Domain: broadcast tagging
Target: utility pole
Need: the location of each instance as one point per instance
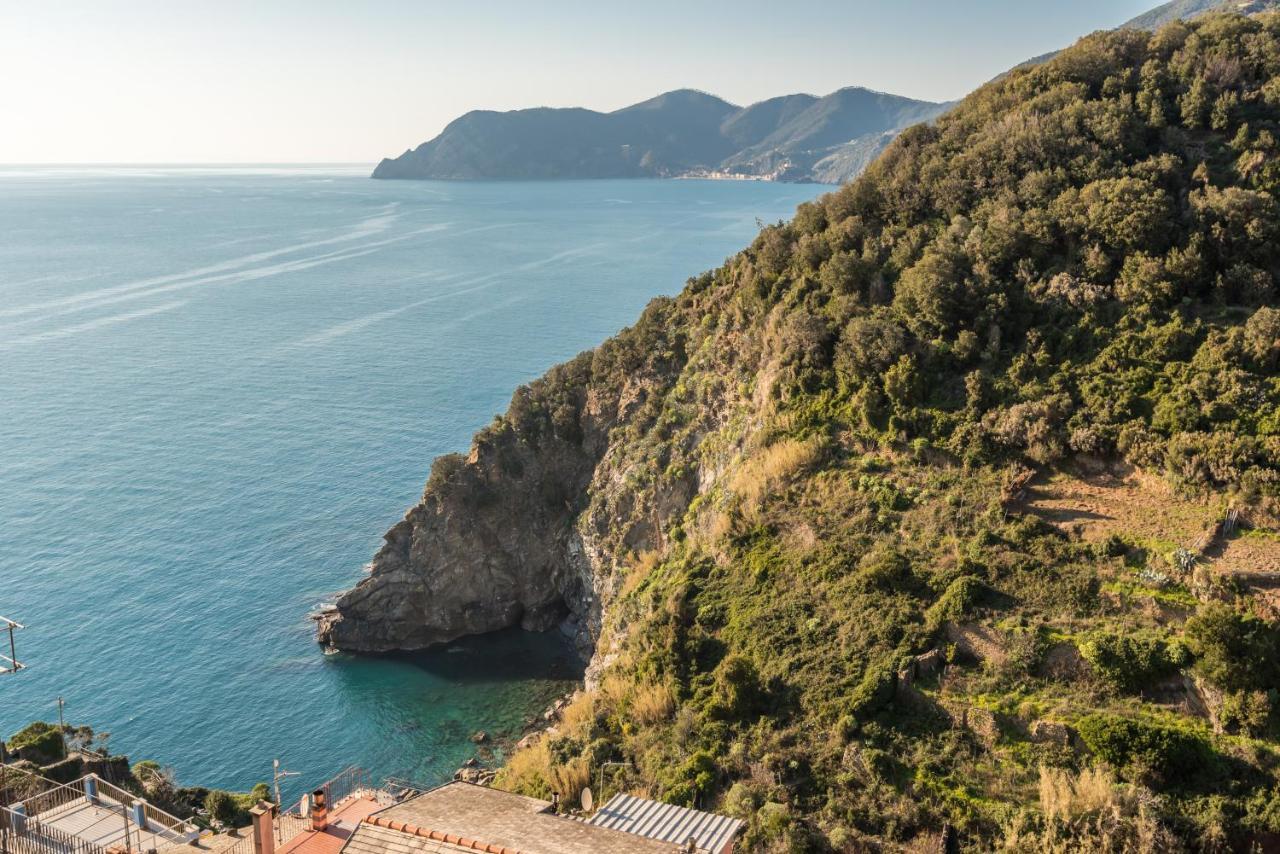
(604, 765)
(62, 727)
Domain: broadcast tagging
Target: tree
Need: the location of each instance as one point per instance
(1196, 104)
(1128, 212)
(1224, 110)
(1235, 651)
(1262, 337)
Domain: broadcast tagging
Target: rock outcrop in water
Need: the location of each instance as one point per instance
(529, 528)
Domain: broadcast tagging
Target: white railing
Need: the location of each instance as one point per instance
(185, 830)
(20, 834)
(44, 801)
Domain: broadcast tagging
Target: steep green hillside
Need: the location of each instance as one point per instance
(1078, 260)
(866, 528)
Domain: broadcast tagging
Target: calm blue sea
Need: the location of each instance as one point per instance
(218, 387)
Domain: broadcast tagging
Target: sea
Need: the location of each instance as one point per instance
(219, 386)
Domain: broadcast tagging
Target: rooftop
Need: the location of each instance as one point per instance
(343, 821)
(667, 822)
(466, 817)
(89, 814)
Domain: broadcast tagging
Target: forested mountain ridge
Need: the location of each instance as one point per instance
(1185, 9)
(951, 506)
(685, 132)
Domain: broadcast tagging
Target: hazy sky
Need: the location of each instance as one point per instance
(181, 81)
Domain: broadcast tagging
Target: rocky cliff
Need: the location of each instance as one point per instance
(530, 527)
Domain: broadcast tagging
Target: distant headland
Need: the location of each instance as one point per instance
(685, 133)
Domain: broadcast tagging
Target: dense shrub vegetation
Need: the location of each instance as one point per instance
(852, 637)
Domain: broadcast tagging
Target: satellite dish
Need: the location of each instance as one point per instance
(588, 802)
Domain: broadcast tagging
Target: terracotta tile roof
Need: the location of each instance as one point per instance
(313, 842)
(343, 821)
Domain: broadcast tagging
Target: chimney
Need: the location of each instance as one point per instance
(264, 837)
(319, 810)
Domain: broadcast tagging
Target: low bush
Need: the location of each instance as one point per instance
(1130, 661)
(41, 742)
(222, 807)
(1178, 757)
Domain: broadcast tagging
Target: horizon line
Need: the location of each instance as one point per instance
(185, 163)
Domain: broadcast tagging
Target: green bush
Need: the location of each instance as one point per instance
(42, 740)
(691, 780)
(1131, 661)
(873, 692)
(742, 800)
(222, 807)
(1176, 756)
(738, 687)
(1235, 651)
(1262, 811)
(1247, 711)
(956, 601)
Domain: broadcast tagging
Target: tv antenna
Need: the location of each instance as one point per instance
(276, 776)
(9, 663)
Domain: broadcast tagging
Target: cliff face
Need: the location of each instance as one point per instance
(493, 543)
(530, 527)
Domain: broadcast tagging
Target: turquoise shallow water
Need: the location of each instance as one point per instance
(219, 387)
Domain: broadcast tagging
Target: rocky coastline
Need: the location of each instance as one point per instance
(482, 768)
(536, 526)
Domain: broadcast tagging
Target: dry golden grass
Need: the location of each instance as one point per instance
(770, 469)
(613, 692)
(652, 704)
(1088, 812)
(579, 714)
(531, 772)
(1065, 797)
(527, 772)
(640, 567)
(569, 779)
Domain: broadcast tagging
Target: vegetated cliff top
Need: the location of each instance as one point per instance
(827, 588)
(677, 133)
